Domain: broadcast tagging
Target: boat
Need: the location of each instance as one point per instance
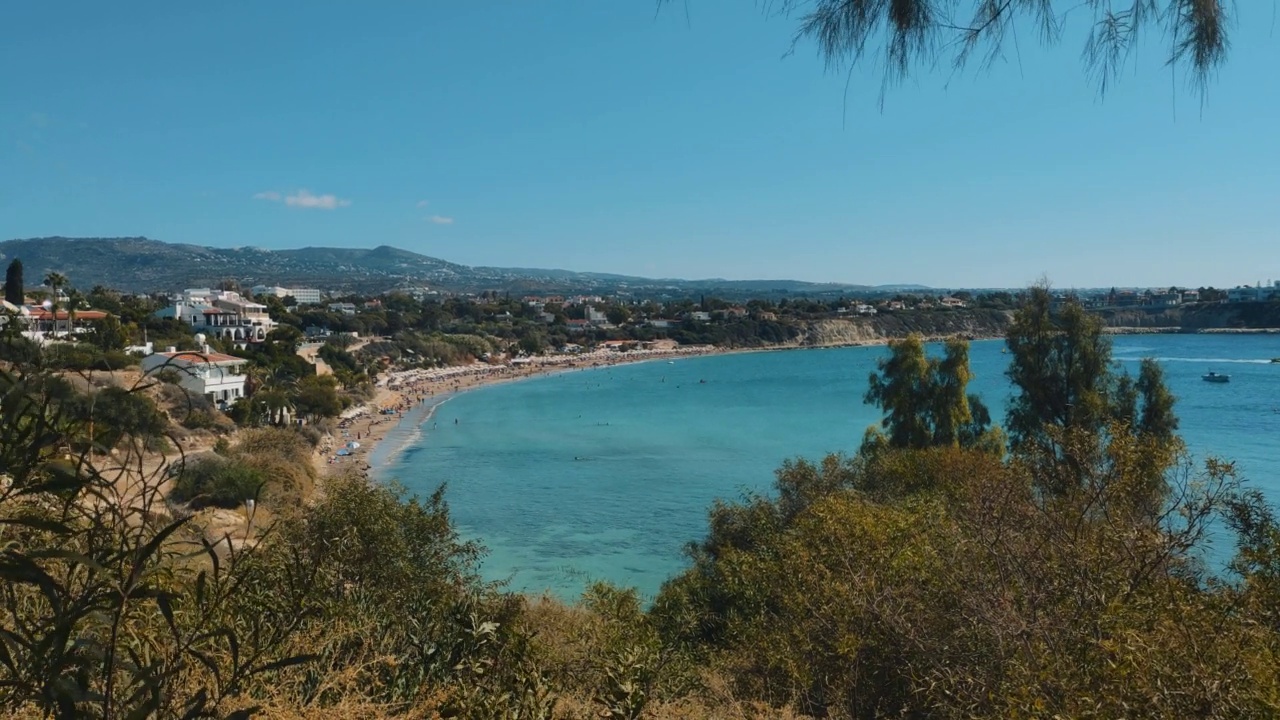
(1276, 360)
(1214, 377)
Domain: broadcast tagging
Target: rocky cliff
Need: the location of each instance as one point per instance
(970, 324)
(1191, 318)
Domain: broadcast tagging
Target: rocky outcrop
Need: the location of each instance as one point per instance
(1198, 317)
(972, 324)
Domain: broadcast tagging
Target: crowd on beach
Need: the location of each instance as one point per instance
(400, 391)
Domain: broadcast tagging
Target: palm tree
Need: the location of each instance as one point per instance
(276, 404)
(56, 281)
(75, 301)
(272, 391)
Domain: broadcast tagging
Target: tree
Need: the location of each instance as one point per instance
(904, 35)
(1071, 408)
(109, 334)
(617, 314)
(75, 301)
(13, 290)
(317, 396)
(1157, 421)
(1059, 369)
(56, 281)
(925, 399)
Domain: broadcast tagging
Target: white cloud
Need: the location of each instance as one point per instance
(423, 203)
(441, 220)
(304, 199)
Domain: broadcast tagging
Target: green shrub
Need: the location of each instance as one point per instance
(223, 483)
(199, 420)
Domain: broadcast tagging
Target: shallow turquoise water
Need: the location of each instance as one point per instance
(608, 473)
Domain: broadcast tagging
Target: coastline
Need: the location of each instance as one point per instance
(1178, 330)
(414, 395)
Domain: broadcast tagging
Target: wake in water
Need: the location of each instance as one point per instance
(1241, 361)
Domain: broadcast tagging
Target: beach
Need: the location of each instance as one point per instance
(399, 393)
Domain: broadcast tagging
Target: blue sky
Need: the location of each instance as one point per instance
(603, 135)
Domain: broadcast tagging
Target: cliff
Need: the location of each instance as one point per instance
(972, 324)
(1193, 318)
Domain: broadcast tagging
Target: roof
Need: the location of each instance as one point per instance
(40, 313)
(216, 311)
(191, 357)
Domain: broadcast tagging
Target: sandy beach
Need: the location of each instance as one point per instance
(361, 428)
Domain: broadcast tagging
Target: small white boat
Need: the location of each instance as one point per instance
(1214, 377)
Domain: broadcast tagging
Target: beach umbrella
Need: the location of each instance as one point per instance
(344, 452)
(353, 445)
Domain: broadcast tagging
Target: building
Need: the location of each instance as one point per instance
(304, 296)
(1256, 293)
(41, 323)
(217, 377)
(1166, 299)
(1190, 296)
(595, 317)
(951, 302)
(221, 313)
(343, 307)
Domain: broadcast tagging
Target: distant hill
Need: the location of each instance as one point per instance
(144, 265)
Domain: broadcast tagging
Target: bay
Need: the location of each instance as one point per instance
(607, 473)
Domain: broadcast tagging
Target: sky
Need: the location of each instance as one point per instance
(612, 136)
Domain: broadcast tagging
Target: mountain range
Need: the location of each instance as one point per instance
(140, 264)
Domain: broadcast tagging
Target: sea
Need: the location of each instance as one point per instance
(608, 473)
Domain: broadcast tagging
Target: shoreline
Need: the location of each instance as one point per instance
(416, 394)
(1179, 330)
(402, 394)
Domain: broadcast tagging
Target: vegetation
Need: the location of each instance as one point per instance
(914, 34)
(14, 293)
(933, 574)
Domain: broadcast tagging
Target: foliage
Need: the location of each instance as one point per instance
(925, 399)
(13, 288)
(913, 34)
(938, 582)
(105, 610)
(108, 334)
(317, 397)
(1067, 393)
(217, 482)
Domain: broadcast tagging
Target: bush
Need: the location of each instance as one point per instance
(223, 483)
(199, 420)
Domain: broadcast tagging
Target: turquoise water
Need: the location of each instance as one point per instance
(607, 473)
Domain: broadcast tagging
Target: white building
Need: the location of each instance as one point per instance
(214, 375)
(594, 316)
(304, 296)
(222, 314)
(342, 307)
